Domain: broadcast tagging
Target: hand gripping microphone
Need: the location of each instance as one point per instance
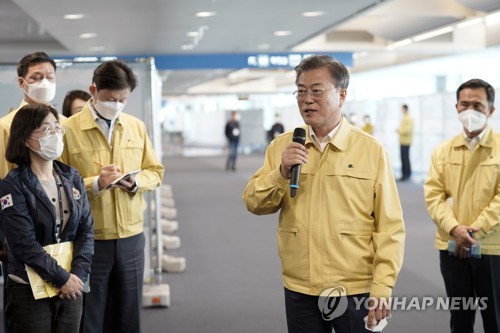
(299, 136)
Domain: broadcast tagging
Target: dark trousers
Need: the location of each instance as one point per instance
(405, 162)
(233, 152)
(473, 278)
(115, 298)
(47, 315)
(304, 316)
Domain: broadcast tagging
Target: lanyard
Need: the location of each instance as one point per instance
(61, 215)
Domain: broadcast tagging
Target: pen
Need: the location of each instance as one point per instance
(99, 164)
(470, 245)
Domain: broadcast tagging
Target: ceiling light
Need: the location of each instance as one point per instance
(206, 14)
(73, 16)
(312, 14)
(468, 23)
(492, 18)
(432, 34)
(193, 34)
(96, 48)
(281, 33)
(88, 35)
(400, 43)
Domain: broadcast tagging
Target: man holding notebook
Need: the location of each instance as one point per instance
(103, 143)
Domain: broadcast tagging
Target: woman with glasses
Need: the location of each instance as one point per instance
(43, 202)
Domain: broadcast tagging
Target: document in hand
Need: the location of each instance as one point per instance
(63, 254)
(474, 251)
(123, 177)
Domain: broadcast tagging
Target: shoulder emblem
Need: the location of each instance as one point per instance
(6, 201)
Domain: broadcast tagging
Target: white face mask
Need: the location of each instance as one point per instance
(109, 110)
(472, 120)
(42, 92)
(51, 146)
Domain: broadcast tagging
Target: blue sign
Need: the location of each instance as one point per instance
(237, 61)
(222, 61)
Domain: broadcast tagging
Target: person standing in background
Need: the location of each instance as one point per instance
(276, 129)
(74, 102)
(37, 78)
(405, 139)
(368, 126)
(232, 132)
(462, 194)
(104, 143)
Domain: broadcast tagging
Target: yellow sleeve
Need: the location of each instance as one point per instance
(406, 127)
(151, 175)
(5, 166)
(488, 219)
(439, 209)
(389, 234)
(266, 188)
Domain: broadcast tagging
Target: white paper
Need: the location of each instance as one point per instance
(378, 327)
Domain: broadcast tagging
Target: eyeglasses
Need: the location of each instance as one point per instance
(302, 93)
(49, 131)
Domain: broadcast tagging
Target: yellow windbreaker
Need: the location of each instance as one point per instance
(345, 226)
(5, 122)
(463, 187)
(406, 130)
(117, 213)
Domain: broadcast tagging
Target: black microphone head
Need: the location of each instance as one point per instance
(299, 135)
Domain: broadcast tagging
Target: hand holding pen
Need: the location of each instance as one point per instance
(108, 174)
(464, 240)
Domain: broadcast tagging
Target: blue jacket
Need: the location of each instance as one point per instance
(28, 221)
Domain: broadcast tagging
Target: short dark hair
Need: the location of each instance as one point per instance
(338, 72)
(476, 84)
(31, 59)
(26, 120)
(70, 97)
(114, 75)
(405, 107)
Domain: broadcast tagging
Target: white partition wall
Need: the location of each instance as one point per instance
(435, 120)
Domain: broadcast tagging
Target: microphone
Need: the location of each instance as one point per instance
(299, 136)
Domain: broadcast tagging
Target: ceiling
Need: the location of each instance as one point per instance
(379, 32)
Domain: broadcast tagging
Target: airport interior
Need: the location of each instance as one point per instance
(211, 265)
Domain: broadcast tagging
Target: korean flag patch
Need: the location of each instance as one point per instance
(6, 201)
(76, 194)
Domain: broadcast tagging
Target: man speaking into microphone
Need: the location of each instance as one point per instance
(340, 223)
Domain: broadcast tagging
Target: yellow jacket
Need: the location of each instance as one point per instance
(345, 226)
(406, 130)
(463, 187)
(117, 213)
(368, 128)
(5, 123)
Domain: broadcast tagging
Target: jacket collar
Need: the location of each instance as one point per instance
(341, 138)
(87, 120)
(486, 140)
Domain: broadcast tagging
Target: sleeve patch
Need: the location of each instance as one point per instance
(6, 201)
